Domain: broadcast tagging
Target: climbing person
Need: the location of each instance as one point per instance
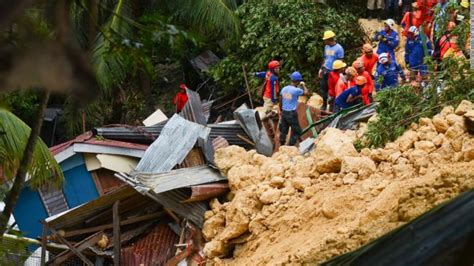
(448, 44)
(387, 72)
(415, 52)
(181, 98)
(332, 52)
(413, 18)
(337, 69)
(369, 58)
(388, 38)
(346, 81)
(391, 9)
(351, 96)
(270, 87)
(375, 9)
(367, 96)
(289, 102)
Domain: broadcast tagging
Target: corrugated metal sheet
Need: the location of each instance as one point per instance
(148, 134)
(249, 120)
(177, 138)
(193, 110)
(153, 248)
(180, 178)
(53, 200)
(194, 158)
(219, 143)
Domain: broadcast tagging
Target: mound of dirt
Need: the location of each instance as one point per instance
(303, 209)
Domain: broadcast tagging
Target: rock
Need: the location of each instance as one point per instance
(427, 132)
(309, 192)
(244, 175)
(406, 141)
(440, 124)
(468, 149)
(463, 107)
(426, 146)
(300, 183)
(453, 119)
(277, 181)
(315, 101)
(454, 132)
(378, 155)
(331, 146)
(329, 212)
(361, 166)
(470, 114)
(213, 226)
(208, 215)
(439, 140)
(215, 248)
(365, 152)
(215, 205)
(349, 179)
(231, 156)
(425, 121)
(270, 196)
(394, 156)
(446, 111)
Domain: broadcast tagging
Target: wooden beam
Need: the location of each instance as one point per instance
(72, 248)
(130, 234)
(116, 224)
(44, 239)
(81, 246)
(110, 226)
(181, 256)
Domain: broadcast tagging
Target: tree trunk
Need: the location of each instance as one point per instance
(14, 193)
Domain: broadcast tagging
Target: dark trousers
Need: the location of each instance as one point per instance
(391, 9)
(289, 119)
(324, 88)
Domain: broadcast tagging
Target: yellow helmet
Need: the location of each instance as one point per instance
(329, 34)
(338, 64)
(465, 3)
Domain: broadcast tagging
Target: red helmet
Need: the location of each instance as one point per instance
(183, 86)
(273, 64)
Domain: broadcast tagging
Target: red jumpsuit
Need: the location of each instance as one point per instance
(180, 100)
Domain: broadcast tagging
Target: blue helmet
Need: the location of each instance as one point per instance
(296, 76)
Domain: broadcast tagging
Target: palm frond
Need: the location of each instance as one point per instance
(43, 169)
(209, 16)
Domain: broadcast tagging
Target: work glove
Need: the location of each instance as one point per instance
(384, 39)
(302, 83)
(380, 37)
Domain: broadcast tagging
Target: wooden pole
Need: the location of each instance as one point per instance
(44, 239)
(247, 85)
(72, 248)
(117, 244)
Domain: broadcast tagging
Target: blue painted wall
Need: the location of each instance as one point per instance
(28, 212)
(79, 187)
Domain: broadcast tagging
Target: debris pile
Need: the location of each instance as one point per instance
(294, 208)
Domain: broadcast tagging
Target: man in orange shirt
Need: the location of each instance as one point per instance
(337, 69)
(346, 81)
(368, 90)
(369, 58)
(413, 18)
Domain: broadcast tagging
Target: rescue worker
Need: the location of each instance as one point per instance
(387, 72)
(369, 58)
(448, 44)
(415, 53)
(351, 96)
(338, 68)
(346, 81)
(413, 18)
(181, 98)
(369, 87)
(375, 8)
(388, 38)
(270, 87)
(288, 105)
(332, 52)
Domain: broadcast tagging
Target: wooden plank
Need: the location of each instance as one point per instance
(81, 246)
(72, 248)
(130, 234)
(44, 239)
(181, 256)
(110, 226)
(116, 223)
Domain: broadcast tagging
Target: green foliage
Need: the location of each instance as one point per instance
(22, 103)
(288, 29)
(14, 135)
(401, 106)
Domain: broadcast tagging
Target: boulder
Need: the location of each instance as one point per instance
(464, 107)
(406, 140)
(270, 196)
(231, 156)
(440, 124)
(425, 145)
(213, 226)
(468, 149)
(300, 183)
(332, 145)
(349, 179)
(361, 166)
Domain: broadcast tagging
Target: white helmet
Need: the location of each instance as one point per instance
(391, 23)
(414, 30)
(384, 58)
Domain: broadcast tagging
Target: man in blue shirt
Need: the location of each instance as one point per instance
(387, 72)
(388, 38)
(332, 52)
(288, 103)
(351, 96)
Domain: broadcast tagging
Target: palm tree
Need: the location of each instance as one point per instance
(23, 154)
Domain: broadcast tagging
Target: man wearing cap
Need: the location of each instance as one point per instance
(332, 52)
(369, 58)
(289, 102)
(368, 93)
(270, 87)
(388, 38)
(415, 53)
(181, 98)
(337, 69)
(351, 96)
(387, 72)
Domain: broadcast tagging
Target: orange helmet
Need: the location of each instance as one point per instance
(273, 64)
(361, 80)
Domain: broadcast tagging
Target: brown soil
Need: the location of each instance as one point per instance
(307, 209)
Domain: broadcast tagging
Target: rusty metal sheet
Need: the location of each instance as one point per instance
(193, 110)
(153, 248)
(219, 143)
(207, 191)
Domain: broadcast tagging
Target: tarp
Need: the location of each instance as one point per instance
(443, 236)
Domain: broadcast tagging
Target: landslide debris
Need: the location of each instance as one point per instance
(306, 209)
